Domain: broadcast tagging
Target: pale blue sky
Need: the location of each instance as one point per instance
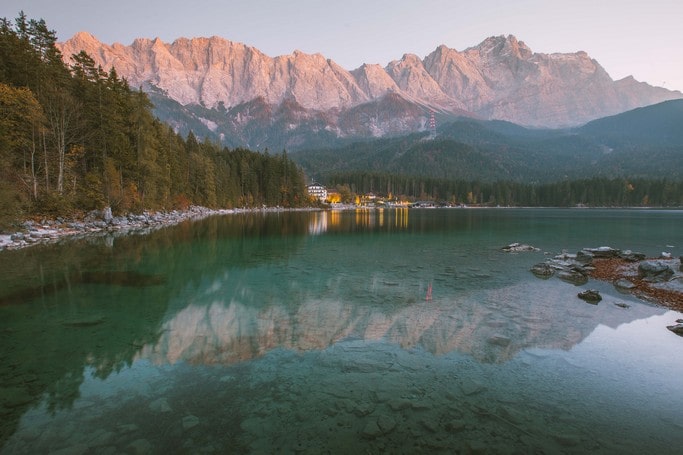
(639, 38)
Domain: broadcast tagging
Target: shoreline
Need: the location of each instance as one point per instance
(101, 222)
(625, 277)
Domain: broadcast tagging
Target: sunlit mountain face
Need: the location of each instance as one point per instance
(234, 93)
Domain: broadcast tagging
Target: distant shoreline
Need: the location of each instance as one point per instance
(96, 223)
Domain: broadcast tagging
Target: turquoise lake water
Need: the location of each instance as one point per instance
(369, 331)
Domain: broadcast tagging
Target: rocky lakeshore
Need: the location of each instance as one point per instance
(102, 222)
(657, 280)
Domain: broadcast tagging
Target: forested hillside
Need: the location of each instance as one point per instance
(595, 192)
(76, 138)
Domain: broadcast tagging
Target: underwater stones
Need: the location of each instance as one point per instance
(13, 397)
(573, 275)
(624, 284)
(372, 430)
(398, 404)
(190, 421)
(499, 340)
(75, 449)
(591, 296)
(518, 247)
(127, 428)
(160, 405)
(456, 426)
(677, 329)
(140, 446)
(101, 438)
(471, 387)
(477, 447)
(567, 440)
(386, 423)
(429, 425)
(363, 409)
(376, 362)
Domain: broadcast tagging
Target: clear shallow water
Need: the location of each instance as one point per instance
(311, 333)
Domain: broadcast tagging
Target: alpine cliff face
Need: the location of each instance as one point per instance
(245, 97)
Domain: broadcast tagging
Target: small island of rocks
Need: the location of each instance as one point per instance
(657, 280)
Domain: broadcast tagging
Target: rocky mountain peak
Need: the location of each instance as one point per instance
(500, 78)
(503, 46)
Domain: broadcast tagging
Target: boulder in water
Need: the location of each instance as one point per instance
(655, 271)
(677, 329)
(517, 247)
(591, 296)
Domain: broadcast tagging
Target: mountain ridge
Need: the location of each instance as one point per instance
(642, 143)
(500, 78)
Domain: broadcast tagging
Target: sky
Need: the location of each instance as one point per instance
(638, 38)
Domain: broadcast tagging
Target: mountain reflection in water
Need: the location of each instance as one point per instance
(491, 325)
(311, 332)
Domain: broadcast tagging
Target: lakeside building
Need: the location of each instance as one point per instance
(318, 191)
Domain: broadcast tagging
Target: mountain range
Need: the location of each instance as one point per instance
(642, 143)
(234, 93)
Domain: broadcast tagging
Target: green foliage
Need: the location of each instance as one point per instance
(596, 192)
(643, 143)
(78, 138)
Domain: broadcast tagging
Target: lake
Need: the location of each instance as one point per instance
(368, 331)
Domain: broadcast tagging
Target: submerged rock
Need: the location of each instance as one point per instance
(190, 421)
(371, 430)
(624, 284)
(386, 423)
(160, 405)
(573, 276)
(591, 296)
(140, 446)
(677, 329)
